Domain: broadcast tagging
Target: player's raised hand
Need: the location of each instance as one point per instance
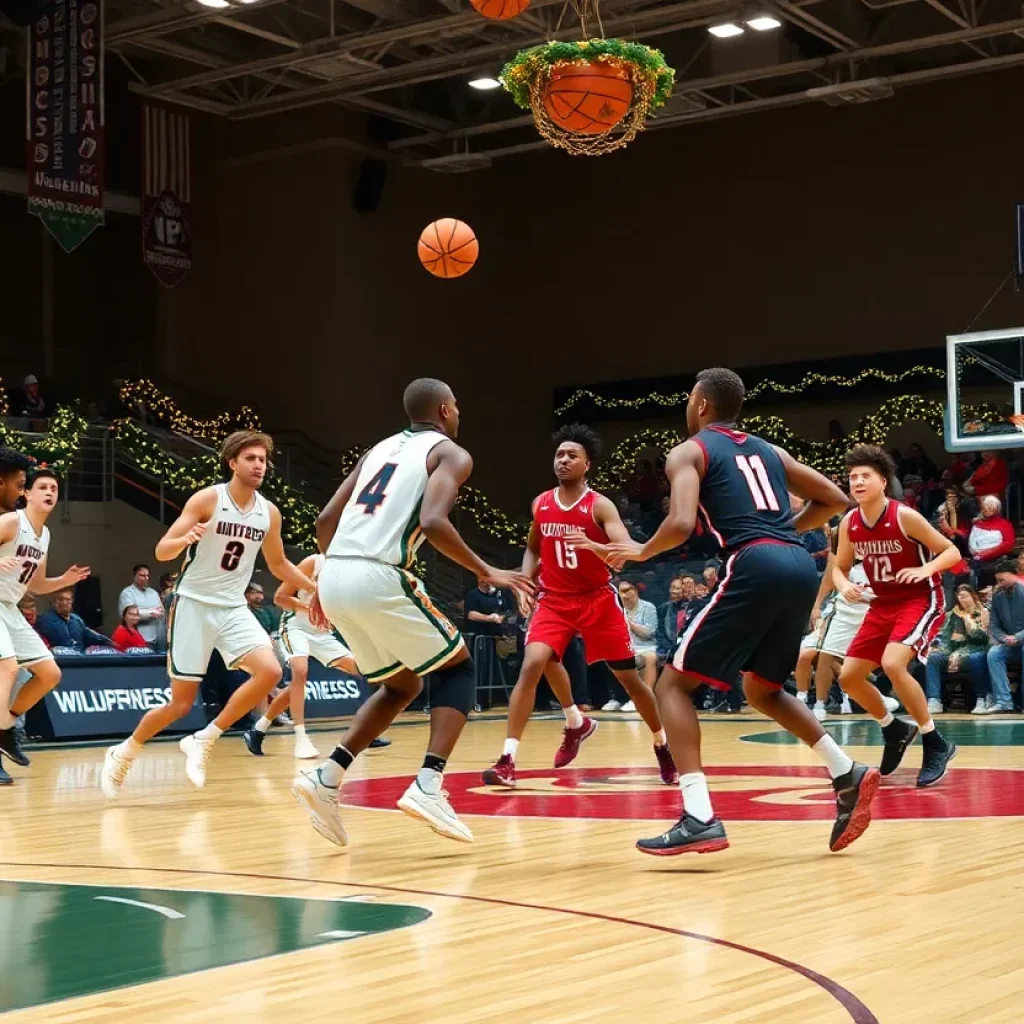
(195, 534)
(624, 551)
(76, 574)
(917, 574)
(317, 618)
(510, 579)
(578, 539)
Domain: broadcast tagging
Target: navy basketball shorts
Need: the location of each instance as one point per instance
(755, 620)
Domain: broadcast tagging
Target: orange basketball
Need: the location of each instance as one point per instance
(500, 10)
(448, 247)
(589, 97)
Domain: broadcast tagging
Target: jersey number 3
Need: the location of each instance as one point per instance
(233, 552)
(757, 480)
(371, 497)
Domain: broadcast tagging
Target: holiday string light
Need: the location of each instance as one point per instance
(145, 395)
(57, 448)
(681, 397)
(4, 407)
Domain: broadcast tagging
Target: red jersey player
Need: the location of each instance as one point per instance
(895, 543)
(575, 595)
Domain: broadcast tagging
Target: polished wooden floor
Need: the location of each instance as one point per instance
(551, 916)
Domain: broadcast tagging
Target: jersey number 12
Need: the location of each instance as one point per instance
(757, 480)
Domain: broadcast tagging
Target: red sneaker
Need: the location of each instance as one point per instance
(571, 740)
(502, 774)
(669, 775)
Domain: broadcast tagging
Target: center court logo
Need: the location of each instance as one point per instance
(740, 793)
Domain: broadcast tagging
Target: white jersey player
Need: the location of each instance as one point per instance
(300, 641)
(24, 544)
(221, 529)
(399, 495)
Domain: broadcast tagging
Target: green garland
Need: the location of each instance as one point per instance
(519, 72)
(57, 448)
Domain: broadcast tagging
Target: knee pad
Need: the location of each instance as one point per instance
(454, 687)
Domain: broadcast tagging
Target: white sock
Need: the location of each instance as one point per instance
(819, 703)
(928, 727)
(210, 733)
(888, 720)
(573, 718)
(300, 732)
(659, 738)
(511, 746)
(330, 774)
(836, 759)
(429, 781)
(696, 797)
(130, 749)
(263, 725)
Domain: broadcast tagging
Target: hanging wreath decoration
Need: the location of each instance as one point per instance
(591, 97)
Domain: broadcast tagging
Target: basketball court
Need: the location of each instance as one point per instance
(185, 905)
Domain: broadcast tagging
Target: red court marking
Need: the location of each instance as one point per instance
(858, 1012)
(636, 793)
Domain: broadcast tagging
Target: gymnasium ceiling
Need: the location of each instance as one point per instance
(409, 61)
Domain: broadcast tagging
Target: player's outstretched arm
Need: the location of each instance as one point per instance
(844, 563)
(285, 597)
(449, 467)
(327, 521)
(189, 527)
(946, 553)
(824, 499)
(8, 531)
(43, 584)
(277, 561)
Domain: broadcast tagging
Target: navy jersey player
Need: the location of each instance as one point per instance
(738, 486)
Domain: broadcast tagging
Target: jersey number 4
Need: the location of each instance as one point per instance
(757, 480)
(371, 497)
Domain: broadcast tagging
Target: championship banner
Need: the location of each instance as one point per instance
(65, 119)
(166, 194)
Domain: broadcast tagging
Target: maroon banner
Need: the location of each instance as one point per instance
(65, 119)
(166, 194)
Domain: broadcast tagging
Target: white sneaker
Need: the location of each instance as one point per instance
(892, 705)
(934, 706)
(845, 708)
(197, 753)
(112, 776)
(304, 748)
(628, 706)
(819, 711)
(435, 810)
(612, 705)
(981, 707)
(321, 804)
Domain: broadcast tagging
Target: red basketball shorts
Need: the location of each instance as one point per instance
(598, 617)
(914, 622)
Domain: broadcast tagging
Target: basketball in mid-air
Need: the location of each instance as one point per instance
(589, 97)
(500, 10)
(448, 247)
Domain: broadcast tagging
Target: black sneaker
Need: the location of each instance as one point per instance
(687, 835)
(5, 779)
(379, 742)
(9, 745)
(898, 736)
(937, 756)
(254, 741)
(854, 792)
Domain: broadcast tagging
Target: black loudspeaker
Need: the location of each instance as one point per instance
(89, 602)
(369, 186)
(22, 12)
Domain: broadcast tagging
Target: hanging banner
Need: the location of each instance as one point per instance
(65, 123)
(166, 194)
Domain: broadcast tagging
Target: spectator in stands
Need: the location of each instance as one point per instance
(917, 464)
(128, 635)
(951, 522)
(28, 401)
(486, 610)
(27, 607)
(1006, 629)
(963, 645)
(700, 596)
(167, 581)
(990, 540)
(711, 577)
(815, 541)
(991, 477)
(680, 593)
(149, 608)
(643, 625)
(264, 614)
(60, 627)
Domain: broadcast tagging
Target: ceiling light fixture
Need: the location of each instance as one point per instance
(215, 3)
(726, 30)
(484, 83)
(764, 23)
